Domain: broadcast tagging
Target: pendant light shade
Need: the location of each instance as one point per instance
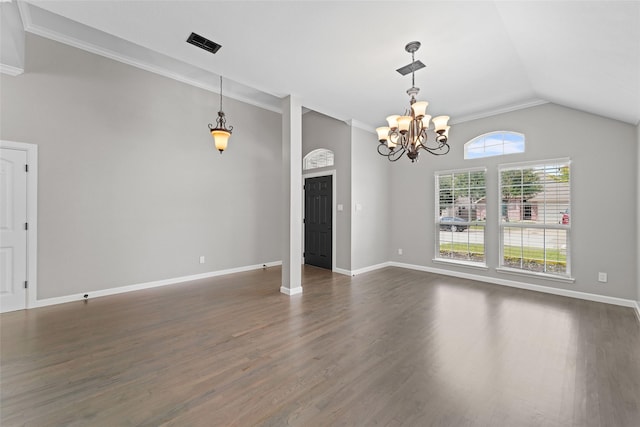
(220, 138)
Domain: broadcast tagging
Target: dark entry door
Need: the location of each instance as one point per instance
(317, 221)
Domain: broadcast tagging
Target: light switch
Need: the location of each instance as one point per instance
(340, 207)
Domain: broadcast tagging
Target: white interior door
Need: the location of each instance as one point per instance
(13, 233)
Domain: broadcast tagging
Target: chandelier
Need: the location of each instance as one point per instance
(410, 133)
(220, 133)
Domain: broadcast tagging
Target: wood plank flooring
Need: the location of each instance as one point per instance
(392, 347)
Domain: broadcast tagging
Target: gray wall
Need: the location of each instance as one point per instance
(638, 212)
(131, 189)
(604, 158)
(370, 191)
(320, 131)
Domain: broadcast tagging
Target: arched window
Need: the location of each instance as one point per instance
(494, 144)
(320, 158)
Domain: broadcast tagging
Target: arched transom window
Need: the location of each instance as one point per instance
(494, 144)
(320, 158)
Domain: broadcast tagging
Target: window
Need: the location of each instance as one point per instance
(460, 216)
(319, 158)
(494, 144)
(535, 223)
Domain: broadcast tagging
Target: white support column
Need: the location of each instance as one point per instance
(638, 220)
(292, 196)
(11, 39)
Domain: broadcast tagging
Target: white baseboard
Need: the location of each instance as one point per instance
(370, 268)
(148, 285)
(361, 270)
(342, 271)
(288, 291)
(637, 307)
(521, 285)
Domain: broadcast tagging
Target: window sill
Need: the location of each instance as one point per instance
(534, 274)
(468, 264)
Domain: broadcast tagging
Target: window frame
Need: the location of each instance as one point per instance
(316, 152)
(437, 223)
(497, 132)
(566, 276)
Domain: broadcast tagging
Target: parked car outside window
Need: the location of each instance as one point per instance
(450, 223)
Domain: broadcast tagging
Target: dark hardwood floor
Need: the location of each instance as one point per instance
(390, 347)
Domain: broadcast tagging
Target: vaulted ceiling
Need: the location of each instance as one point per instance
(340, 58)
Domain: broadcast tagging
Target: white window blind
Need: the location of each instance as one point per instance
(535, 217)
(461, 216)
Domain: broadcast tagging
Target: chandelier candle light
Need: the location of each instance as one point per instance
(220, 133)
(410, 133)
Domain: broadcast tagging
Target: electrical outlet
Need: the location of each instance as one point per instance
(399, 251)
(602, 277)
(202, 259)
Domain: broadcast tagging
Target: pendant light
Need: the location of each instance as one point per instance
(220, 132)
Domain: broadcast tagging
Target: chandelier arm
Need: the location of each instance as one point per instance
(425, 146)
(391, 155)
(438, 151)
(396, 154)
(422, 132)
(405, 140)
(382, 144)
(440, 141)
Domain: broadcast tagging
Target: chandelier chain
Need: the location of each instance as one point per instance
(413, 69)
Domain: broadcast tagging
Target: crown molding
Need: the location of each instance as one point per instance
(362, 126)
(10, 70)
(501, 110)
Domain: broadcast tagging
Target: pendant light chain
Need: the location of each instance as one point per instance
(221, 92)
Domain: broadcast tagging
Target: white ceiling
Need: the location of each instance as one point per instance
(340, 58)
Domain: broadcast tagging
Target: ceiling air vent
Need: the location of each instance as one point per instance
(414, 66)
(203, 43)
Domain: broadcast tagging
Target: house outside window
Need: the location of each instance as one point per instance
(460, 216)
(535, 217)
